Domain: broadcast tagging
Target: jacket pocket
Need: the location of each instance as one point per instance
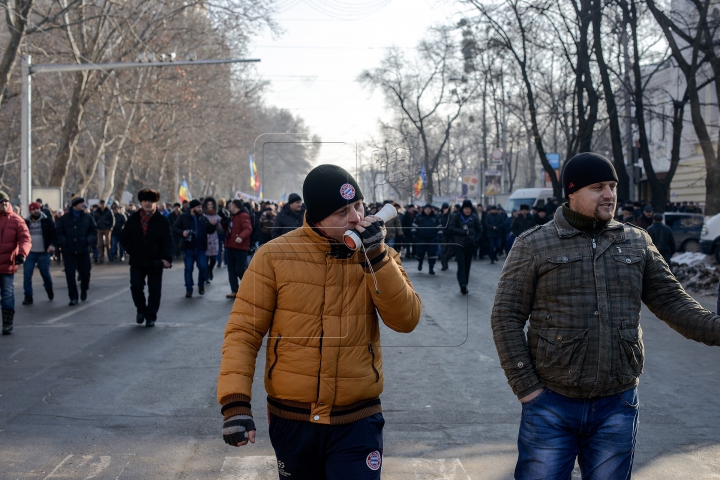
(275, 350)
(561, 354)
(629, 269)
(632, 352)
(563, 273)
(372, 355)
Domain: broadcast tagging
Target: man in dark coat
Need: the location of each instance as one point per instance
(77, 235)
(406, 222)
(466, 230)
(290, 217)
(646, 219)
(105, 221)
(494, 225)
(662, 236)
(146, 237)
(425, 228)
(172, 218)
(524, 221)
(120, 220)
(194, 227)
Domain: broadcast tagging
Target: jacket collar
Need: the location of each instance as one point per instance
(328, 245)
(565, 230)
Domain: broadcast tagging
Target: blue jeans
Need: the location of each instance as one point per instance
(43, 262)
(495, 245)
(192, 257)
(7, 292)
(114, 245)
(556, 429)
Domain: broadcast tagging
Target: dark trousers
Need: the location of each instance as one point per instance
(137, 289)
(309, 451)
(495, 246)
(81, 264)
(446, 249)
(236, 265)
(464, 260)
(430, 248)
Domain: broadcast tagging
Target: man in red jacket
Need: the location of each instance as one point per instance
(237, 242)
(14, 247)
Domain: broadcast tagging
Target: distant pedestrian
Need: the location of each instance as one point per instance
(44, 238)
(566, 325)
(662, 237)
(425, 229)
(15, 246)
(77, 235)
(522, 222)
(466, 230)
(290, 217)
(267, 219)
(495, 227)
(237, 243)
(646, 219)
(213, 239)
(193, 227)
(446, 246)
(146, 237)
(408, 238)
(172, 218)
(105, 220)
(541, 218)
(115, 244)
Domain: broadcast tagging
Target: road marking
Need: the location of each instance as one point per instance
(84, 307)
(394, 468)
(13, 354)
(85, 469)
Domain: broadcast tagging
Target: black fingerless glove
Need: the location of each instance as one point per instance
(236, 428)
(19, 260)
(373, 234)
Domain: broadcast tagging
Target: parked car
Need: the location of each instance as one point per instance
(686, 228)
(710, 238)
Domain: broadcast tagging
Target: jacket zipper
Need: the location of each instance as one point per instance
(277, 341)
(372, 352)
(594, 245)
(322, 334)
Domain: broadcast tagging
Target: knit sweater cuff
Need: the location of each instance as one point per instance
(376, 258)
(235, 404)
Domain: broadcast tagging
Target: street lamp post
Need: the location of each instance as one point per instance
(28, 69)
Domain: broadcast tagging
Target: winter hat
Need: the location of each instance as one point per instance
(445, 205)
(294, 197)
(524, 207)
(34, 206)
(328, 188)
(194, 203)
(4, 196)
(148, 194)
(648, 208)
(585, 169)
(77, 200)
(467, 203)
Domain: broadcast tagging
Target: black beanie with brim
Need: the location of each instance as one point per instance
(328, 188)
(586, 169)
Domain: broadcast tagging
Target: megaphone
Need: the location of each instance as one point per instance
(352, 237)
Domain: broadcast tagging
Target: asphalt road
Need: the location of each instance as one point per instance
(85, 393)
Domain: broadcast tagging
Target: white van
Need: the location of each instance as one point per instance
(534, 197)
(710, 237)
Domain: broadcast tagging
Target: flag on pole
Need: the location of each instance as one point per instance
(184, 192)
(420, 182)
(254, 178)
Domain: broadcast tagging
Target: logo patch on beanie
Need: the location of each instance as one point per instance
(374, 460)
(347, 191)
(571, 185)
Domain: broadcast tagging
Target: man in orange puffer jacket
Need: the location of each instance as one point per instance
(319, 303)
(14, 247)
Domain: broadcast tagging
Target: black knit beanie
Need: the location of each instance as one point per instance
(294, 197)
(328, 188)
(585, 169)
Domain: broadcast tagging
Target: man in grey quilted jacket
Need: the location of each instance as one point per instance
(580, 280)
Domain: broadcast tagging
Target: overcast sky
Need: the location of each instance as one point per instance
(314, 64)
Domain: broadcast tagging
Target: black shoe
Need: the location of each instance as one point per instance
(431, 272)
(420, 266)
(188, 294)
(231, 295)
(73, 302)
(83, 295)
(463, 289)
(201, 290)
(50, 293)
(210, 276)
(7, 321)
(28, 300)
(149, 323)
(207, 282)
(139, 319)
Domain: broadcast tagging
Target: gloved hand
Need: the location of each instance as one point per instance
(374, 234)
(236, 429)
(19, 260)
